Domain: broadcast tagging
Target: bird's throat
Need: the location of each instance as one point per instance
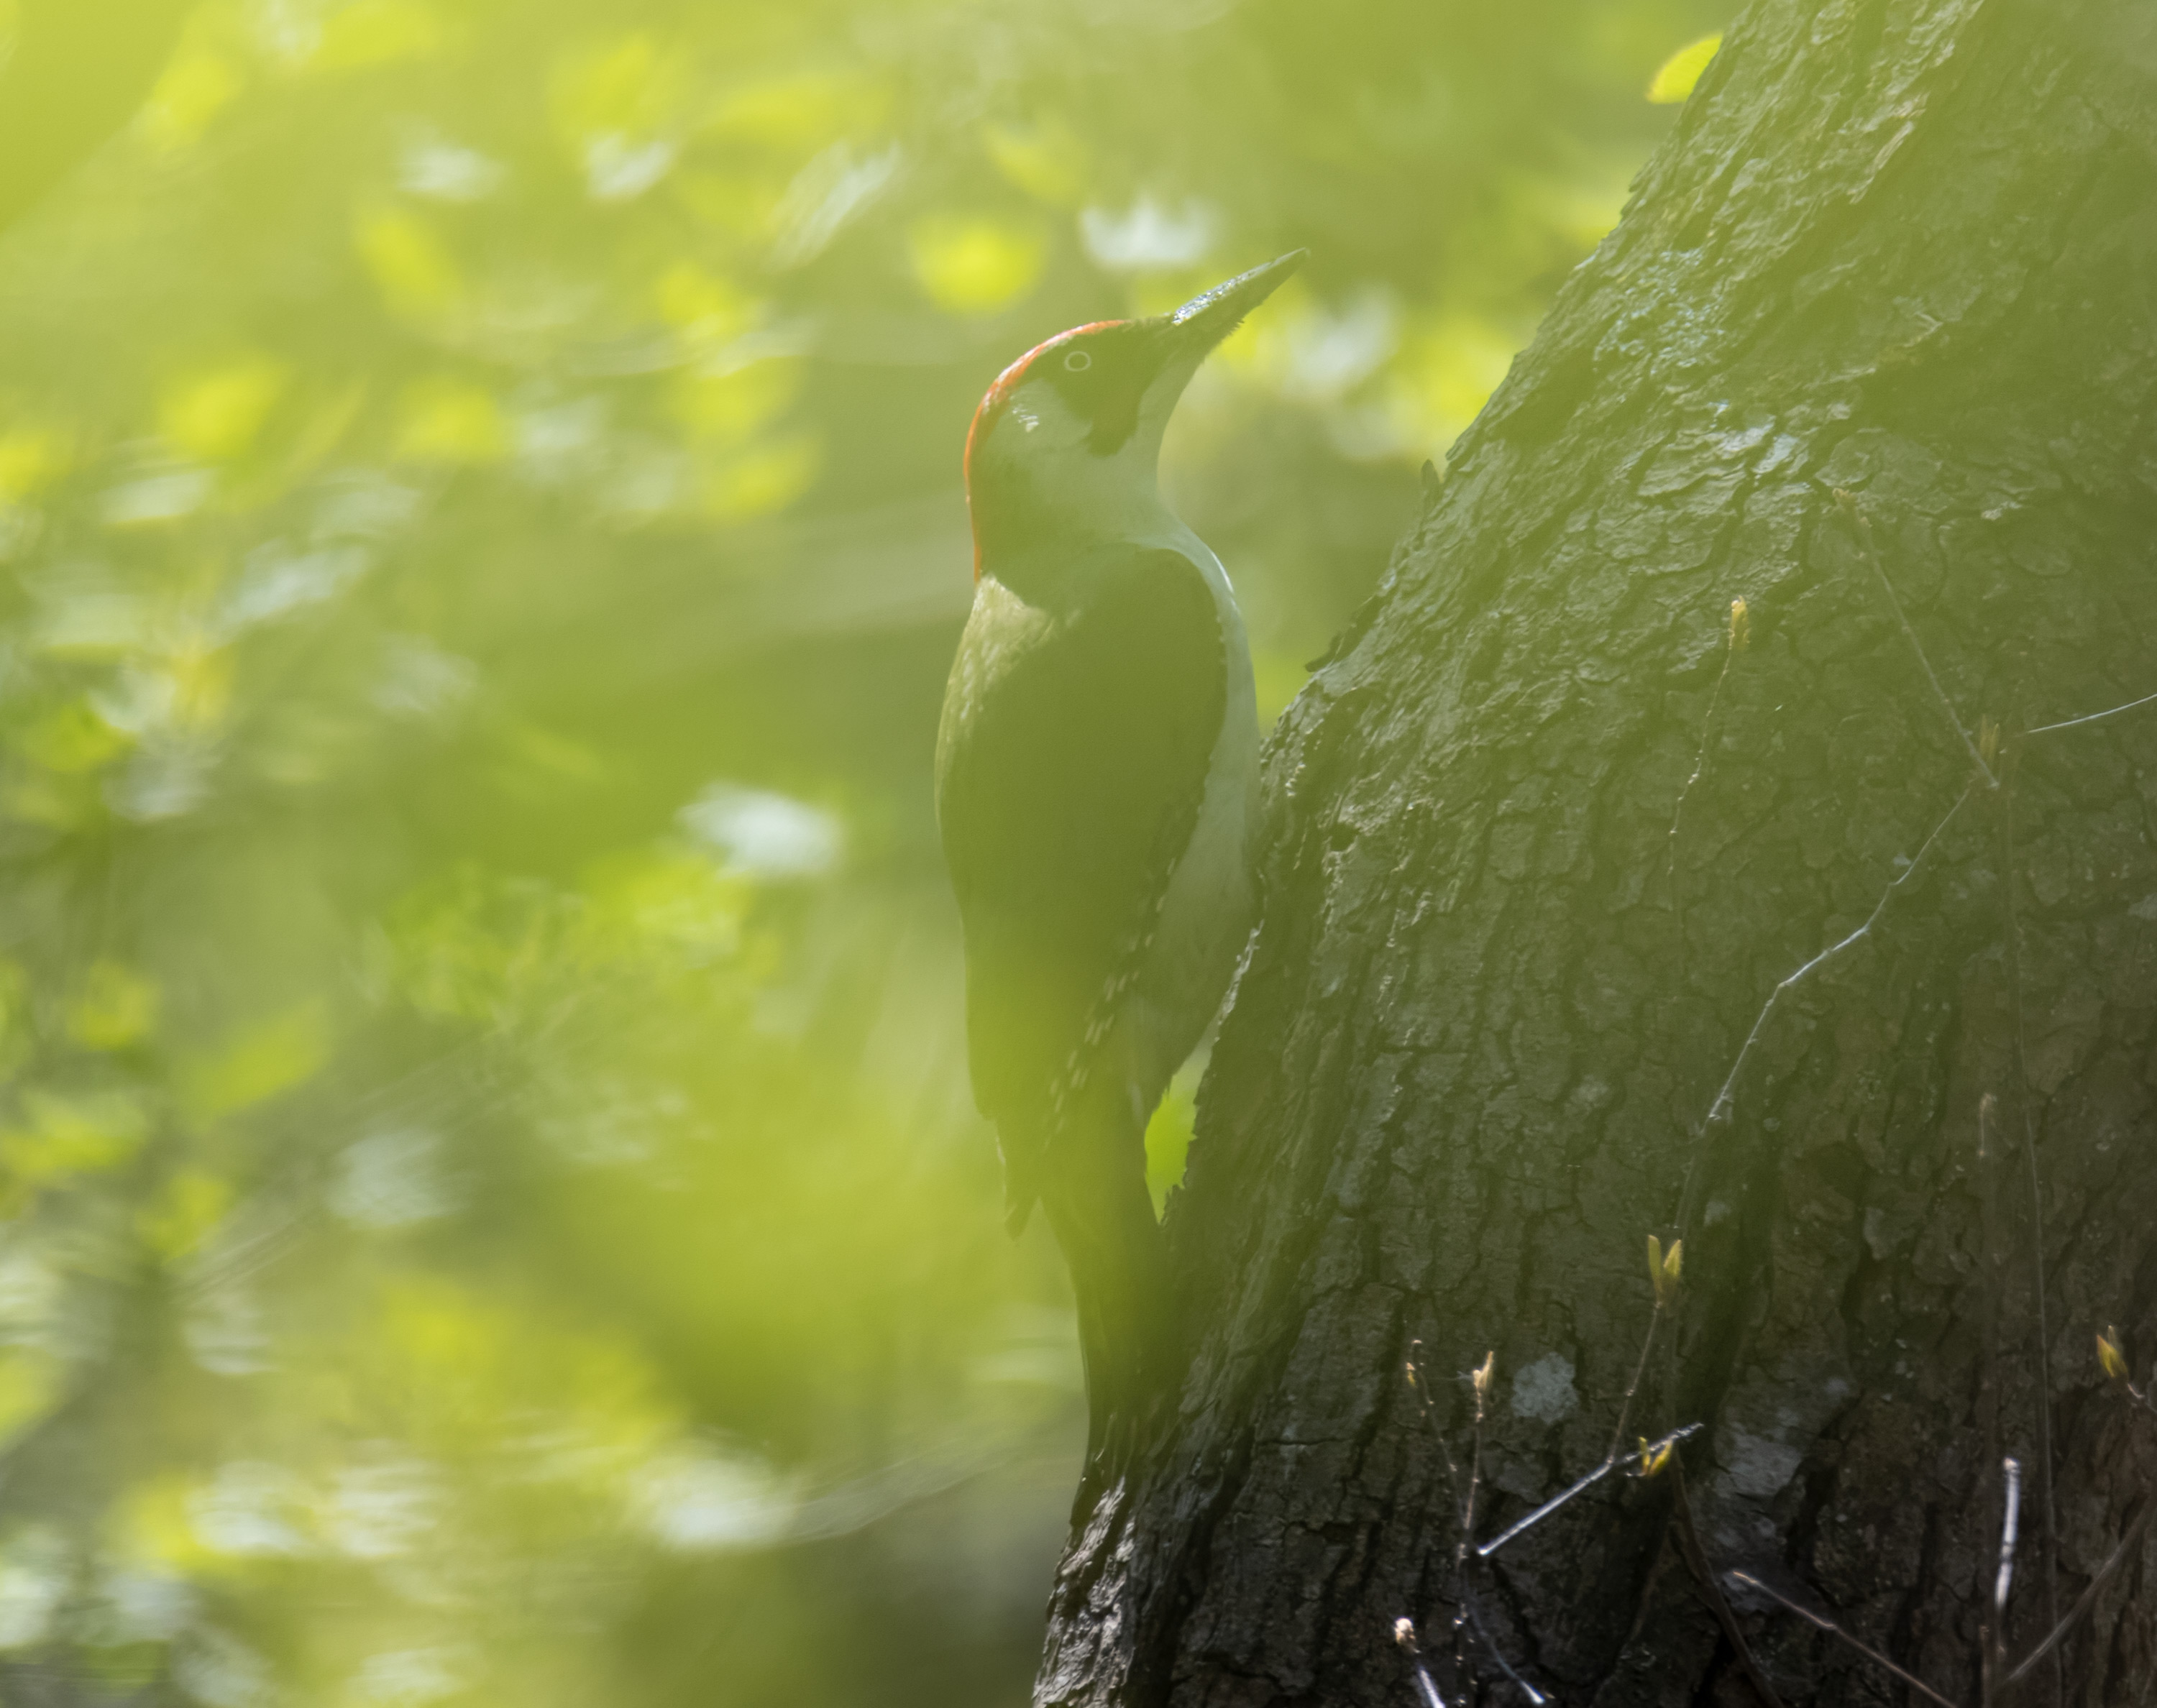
(1044, 513)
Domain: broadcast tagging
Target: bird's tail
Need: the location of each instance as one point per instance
(1093, 1190)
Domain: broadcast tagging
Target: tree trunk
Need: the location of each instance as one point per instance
(1493, 1031)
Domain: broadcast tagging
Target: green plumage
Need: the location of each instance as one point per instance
(1082, 711)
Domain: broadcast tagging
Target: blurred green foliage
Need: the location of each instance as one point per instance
(493, 1209)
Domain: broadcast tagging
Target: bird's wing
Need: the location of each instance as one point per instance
(1071, 765)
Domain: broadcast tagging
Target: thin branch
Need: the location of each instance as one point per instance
(2005, 1581)
(1491, 1644)
(1632, 1388)
(1421, 1385)
(1481, 1383)
(2037, 1230)
(1464, 1602)
(1993, 1638)
(2087, 1599)
(1721, 1107)
(1734, 640)
(2113, 1362)
(2094, 718)
(1594, 1477)
(1820, 1622)
(1695, 1559)
(1872, 557)
(1404, 1634)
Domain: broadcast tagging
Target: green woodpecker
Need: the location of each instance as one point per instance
(1096, 789)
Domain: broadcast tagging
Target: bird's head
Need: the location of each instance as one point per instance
(1067, 440)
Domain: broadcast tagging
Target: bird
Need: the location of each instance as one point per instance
(1097, 799)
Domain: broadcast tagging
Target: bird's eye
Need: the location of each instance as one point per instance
(1079, 361)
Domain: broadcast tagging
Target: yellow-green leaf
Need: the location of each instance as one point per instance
(117, 1007)
(1280, 677)
(175, 1222)
(702, 304)
(1675, 77)
(378, 32)
(729, 408)
(1663, 1270)
(676, 898)
(417, 276)
(29, 1385)
(258, 1064)
(1168, 1140)
(195, 88)
(216, 415)
(451, 421)
(1045, 159)
(1444, 374)
(31, 458)
(970, 266)
(794, 115)
(764, 480)
(72, 739)
(630, 88)
(61, 1135)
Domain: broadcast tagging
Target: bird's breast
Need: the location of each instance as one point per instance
(1210, 903)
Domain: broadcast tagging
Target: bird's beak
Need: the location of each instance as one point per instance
(1203, 322)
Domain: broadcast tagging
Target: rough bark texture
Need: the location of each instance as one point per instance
(1905, 249)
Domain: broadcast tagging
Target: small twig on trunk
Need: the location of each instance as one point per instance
(1464, 1610)
(2087, 1599)
(1490, 1646)
(1864, 528)
(1820, 1622)
(1733, 644)
(1721, 1107)
(1664, 1269)
(1404, 1634)
(2094, 718)
(1520, 1526)
(1421, 1386)
(2036, 1232)
(1632, 1388)
(1992, 1639)
(1481, 1383)
(1695, 1559)
(2005, 1581)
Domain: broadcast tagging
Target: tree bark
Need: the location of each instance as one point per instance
(1905, 252)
